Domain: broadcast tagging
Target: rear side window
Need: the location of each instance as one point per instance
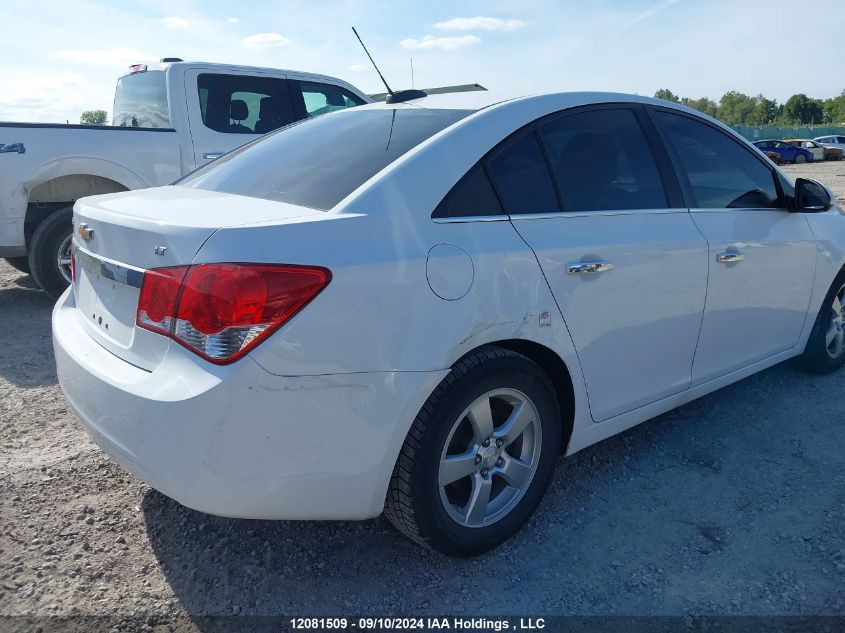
(720, 172)
(140, 100)
(521, 176)
(601, 161)
(241, 104)
(319, 98)
(472, 196)
(318, 162)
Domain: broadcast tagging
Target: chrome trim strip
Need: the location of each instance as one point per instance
(589, 214)
(472, 218)
(107, 268)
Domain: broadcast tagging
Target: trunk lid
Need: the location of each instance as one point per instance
(153, 228)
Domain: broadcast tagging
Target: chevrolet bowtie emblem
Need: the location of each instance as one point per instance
(85, 231)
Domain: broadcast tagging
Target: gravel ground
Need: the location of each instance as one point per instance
(733, 504)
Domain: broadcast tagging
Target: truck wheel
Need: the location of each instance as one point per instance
(20, 263)
(49, 252)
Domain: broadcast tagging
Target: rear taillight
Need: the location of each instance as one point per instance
(72, 263)
(222, 311)
(157, 303)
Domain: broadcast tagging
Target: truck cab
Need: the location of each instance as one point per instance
(166, 121)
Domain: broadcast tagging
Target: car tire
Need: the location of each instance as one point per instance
(18, 263)
(443, 516)
(825, 349)
(800, 158)
(51, 240)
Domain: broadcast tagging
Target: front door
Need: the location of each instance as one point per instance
(761, 256)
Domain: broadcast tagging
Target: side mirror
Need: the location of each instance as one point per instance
(811, 196)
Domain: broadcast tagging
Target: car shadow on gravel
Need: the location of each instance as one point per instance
(26, 348)
(701, 497)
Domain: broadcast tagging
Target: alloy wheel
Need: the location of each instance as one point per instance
(63, 258)
(490, 458)
(835, 336)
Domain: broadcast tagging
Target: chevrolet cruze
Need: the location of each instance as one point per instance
(418, 307)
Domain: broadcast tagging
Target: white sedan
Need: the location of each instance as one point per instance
(417, 307)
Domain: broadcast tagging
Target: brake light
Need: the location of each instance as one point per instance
(157, 303)
(222, 311)
(72, 263)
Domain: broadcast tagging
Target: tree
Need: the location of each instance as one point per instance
(705, 105)
(735, 108)
(94, 117)
(801, 109)
(834, 109)
(666, 95)
(765, 111)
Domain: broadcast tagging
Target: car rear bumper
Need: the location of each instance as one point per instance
(237, 440)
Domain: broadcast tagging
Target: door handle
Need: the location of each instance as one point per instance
(590, 268)
(730, 258)
(212, 155)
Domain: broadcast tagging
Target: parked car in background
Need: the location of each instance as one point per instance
(787, 153)
(166, 122)
(419, 306)
(773, 156)
(820, 152)
(837, 141)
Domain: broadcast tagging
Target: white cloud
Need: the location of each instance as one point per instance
(645, 15)
(232, 20)
(357, 68)
(429, 42)
(263, 41)
(175, 22)
(55, 97)
(105, 57)
(38, 86)
(480, 24)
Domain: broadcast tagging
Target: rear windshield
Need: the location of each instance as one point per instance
(140, 100)
(318, 162)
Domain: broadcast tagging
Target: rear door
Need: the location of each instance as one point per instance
(761, 256)
(624, 260)
(226, 110)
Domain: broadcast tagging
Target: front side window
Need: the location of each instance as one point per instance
(602, 162)
(241, 104)
(323, 98)
(140, 100)
(719, 171)
(318, 162)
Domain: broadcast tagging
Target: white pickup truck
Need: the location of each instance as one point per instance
(166, 122)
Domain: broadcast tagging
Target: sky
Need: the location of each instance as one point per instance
(59, 58)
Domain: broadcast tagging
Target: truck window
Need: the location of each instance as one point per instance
(321, 98)
(242, 104)
(140, 100)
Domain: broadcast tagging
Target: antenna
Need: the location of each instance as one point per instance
(412, 72)
(389, 91)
